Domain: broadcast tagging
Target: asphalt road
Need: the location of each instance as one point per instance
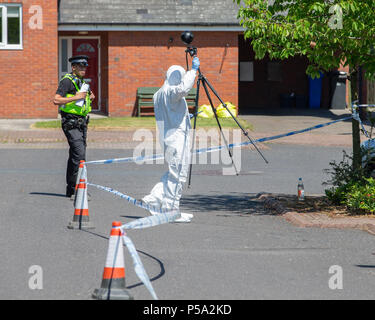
(231, 250)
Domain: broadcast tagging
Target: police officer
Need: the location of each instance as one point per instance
(74, 116)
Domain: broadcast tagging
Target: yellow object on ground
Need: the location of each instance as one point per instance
(205, 111)
(222, 112)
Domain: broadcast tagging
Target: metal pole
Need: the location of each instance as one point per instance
(218, 122)
(195, 126)
(234, 118)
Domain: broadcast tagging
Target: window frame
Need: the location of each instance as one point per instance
(4, 12)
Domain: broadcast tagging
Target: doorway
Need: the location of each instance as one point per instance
(264, 83)
(89, 46)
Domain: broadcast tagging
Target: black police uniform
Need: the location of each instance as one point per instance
(74, 127)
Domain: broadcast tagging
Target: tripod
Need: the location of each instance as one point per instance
(206, 85)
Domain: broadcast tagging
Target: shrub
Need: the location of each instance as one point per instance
(343, 177)
(351, 185)
(361, 197)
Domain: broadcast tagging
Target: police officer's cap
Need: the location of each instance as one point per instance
(81, 60)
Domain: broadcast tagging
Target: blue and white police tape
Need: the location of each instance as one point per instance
(301, 131)
(152, 221)
(218, 148)
(138, 266)
(159, 216)
(358, 118)
(236, 145)
(128, 160)
(162, 216)
(362, 105)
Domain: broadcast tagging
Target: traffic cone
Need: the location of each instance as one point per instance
(81, 219)
(81, 165)
(113, 280)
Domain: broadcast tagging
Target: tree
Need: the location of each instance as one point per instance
(329, 33)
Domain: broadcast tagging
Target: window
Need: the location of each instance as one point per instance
(10, 26)
(246, 71)
(64, 55)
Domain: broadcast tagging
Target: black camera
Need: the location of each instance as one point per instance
(187, 37)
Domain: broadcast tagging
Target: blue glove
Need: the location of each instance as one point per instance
(196, 64)
(192, 115)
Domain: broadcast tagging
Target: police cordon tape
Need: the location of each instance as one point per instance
(138, 266)
(357, 117)
(163, 216)
(217, 148)
(160, 217)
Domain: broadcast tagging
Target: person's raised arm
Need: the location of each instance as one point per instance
(182, 90)
(59, 100)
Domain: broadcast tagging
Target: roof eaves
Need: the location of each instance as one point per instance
(150, 24)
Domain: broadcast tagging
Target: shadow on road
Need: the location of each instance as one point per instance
(48, 194)
(132, 217)
(158, 276)
(365, 266)
(236, 203)
(160, 263)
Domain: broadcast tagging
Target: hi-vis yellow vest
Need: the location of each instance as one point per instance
(71, 107)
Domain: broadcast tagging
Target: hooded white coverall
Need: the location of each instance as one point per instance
(172, 117)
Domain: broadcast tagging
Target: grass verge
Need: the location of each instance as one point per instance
(131, 123)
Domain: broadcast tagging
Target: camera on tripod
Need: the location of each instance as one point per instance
(187, 37)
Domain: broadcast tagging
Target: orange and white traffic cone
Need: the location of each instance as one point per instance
(81, 219)
(113, 281)
(81, 165)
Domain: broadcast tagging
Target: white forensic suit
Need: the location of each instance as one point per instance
(172, 117)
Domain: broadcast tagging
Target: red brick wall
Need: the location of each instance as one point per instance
(129, 60)
(140, 59)
(28, 77)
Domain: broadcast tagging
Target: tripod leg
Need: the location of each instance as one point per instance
(218, 123)
(194, 129)
(205, 81)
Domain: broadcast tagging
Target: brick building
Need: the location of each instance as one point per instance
(131, 44)
(28, 58)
